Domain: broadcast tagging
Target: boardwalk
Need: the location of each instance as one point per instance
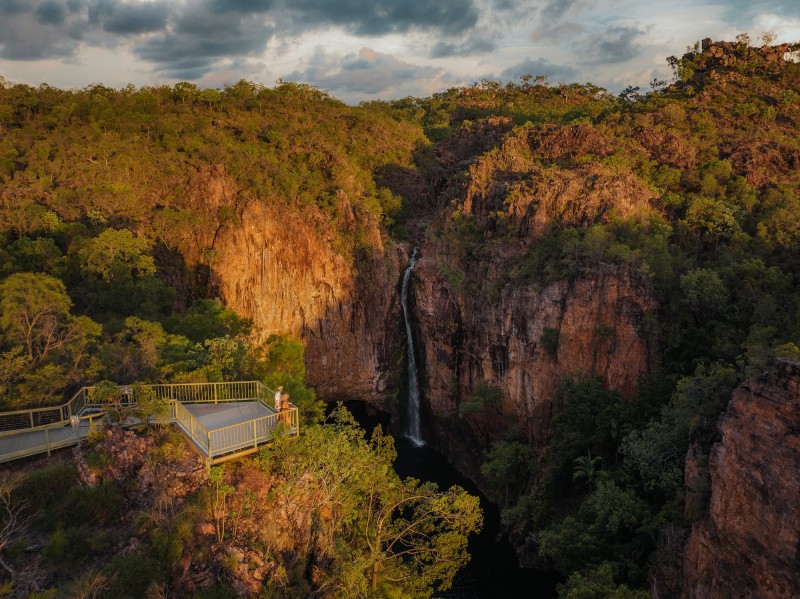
(222, 420)
(32, 442)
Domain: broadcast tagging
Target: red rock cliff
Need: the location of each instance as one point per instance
(749, 544)
(465, 339)
(281, 268)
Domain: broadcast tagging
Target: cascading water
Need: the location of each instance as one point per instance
(413, 429)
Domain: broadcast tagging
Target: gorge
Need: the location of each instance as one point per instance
(586, 302)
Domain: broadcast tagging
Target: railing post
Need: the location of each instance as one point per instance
(31, 415)
(215, 393)
(47, 440)
(255, 436)
(208, 443)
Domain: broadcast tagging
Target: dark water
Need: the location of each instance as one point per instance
(492, 573)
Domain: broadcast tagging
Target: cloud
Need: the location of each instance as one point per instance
(379, 17)
(38, 29)
(468, 47)
(555, 10)
(196, 40)
(540, 66)
(51, 13)
(14, 7)
(191, 38)
(366, 72)
(242, 6)
(129, 18)
(554, 34)
(616, 44)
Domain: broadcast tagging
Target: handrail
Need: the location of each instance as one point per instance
(215, 444)
(209, 392)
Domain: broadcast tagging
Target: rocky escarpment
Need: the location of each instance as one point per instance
(523, 342)
(293, 281)
(285, 269)
(550, 175)
(487, 319)
(749, 544)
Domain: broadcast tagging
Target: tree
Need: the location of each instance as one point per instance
(507, 466)
(417, 535)
(116, 255)
(483, 395)
(588, 468)
(35, 312)
(597, 582)
(12, 514)
(148, 405)
(386, 535)
(218, 491)
(108, 394)
(711, 220)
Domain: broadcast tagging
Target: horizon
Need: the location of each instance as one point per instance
(361, 51)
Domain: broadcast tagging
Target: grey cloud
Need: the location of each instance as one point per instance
(51, 13)
(554, 33)
(14, 7)
(42, 30)
(540, 66)
(130, 19)
(473, 45)
(167, 33)
(741, 12)
(241, 6)
(23, 40)
(200, 38)
(616, 44)
(368, 72)
(556, 19)
(377, 17)
(557, 9)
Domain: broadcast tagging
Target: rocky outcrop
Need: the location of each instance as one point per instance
(281, 269)
(749, 544)
(728, 54)
(594, 325)
(541, 176)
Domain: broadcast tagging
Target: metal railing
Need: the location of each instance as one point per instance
(47, 438)
(39, 430)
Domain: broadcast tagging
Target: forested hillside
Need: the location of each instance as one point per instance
(676, 213)
(598, 272)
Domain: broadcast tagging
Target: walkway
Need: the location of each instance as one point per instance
(222, 420)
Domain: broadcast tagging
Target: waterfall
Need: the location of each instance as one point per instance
(413, 430)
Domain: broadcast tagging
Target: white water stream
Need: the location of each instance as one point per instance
(413, 429)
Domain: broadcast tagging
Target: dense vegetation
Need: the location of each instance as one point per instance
(322, 515)
(707, 206)
(104, 275)
(104, 280)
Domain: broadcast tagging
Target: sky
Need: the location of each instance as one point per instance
(367, 49)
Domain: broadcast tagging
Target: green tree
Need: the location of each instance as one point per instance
(588, 468)
(116, 255)
(35, 312)
(597, 582)
(711, 220)
(507, 466)
(387, 535)
(148, 405)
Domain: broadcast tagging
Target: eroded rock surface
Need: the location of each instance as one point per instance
(749, 545)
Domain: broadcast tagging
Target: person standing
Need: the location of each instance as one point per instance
(285, 416)
(278, 397)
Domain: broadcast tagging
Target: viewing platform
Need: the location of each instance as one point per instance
(222, 421)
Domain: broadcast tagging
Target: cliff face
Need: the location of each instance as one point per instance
(466, 339)
(280, 268)
(749, 544)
